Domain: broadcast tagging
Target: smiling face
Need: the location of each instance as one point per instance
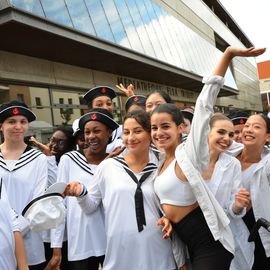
(135, 137)
(103, 102)
(58, 143)
(153, 101)
(254, 132)
(14, 128)
(164, 131)
(221, 136)
(96, 136)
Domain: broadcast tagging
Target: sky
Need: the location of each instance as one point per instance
(253, 18)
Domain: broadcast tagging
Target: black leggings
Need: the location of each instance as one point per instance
(91, 263)
(205, 253)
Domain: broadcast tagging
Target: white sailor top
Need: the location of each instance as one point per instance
(8, 224)
(24, 182)
(85, 232)
(129, 246)
(225, 183)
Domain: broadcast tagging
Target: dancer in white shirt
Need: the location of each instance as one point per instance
(124, 185)
(223, 177)
(198, 218)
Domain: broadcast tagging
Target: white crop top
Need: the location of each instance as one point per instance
(172, 190)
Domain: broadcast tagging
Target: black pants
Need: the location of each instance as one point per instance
(91, 263)
(49, 252)
(261, 262)
(205, 252)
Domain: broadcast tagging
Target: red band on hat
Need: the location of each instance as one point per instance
(103, 90)
(135, 99)
(241, 121)
(94, 116)
(15, 111)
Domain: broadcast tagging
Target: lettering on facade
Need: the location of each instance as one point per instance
(144, 88)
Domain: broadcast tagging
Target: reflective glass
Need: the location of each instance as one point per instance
(140, 28)
(168, 41)
(141, 25)
(80, 16)
(147, 25)
(129, 26)
(115, 23)
(56, 11)
(178, 37)
(159, 32)
(33, 6)
(99, 20)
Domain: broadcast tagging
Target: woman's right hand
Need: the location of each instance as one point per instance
(73, 189)
(129, 91)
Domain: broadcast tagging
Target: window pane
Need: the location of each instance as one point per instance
(80, 16)
(56, 11)
(99, 20)
(129, 26)
(115, 23)
(33, 6)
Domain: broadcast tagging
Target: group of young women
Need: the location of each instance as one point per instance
(139, 209)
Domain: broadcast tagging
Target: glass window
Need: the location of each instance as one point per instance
(56, 11)
(162, 42)
(99, 20)
(129, 25)
(38, 102)
(33, 6)
(63, 101)
(113, 18)
(168, 41)
(70, 102)
(20, 97)
(80, 16)
(141, 29)
(264, 101)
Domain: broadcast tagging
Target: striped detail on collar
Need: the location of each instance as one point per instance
(80, 160)
(28, 155)
(150, 167)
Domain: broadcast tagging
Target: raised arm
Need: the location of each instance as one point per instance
(196, 145)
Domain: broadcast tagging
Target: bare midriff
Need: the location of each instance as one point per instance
(176, 213)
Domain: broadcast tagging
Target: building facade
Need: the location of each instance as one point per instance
(52, 52)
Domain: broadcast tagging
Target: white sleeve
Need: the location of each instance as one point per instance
(90, 202)
(196, 146)
(57, 234)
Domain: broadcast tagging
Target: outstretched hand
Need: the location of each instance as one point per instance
(73, 189)
(245, 52)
